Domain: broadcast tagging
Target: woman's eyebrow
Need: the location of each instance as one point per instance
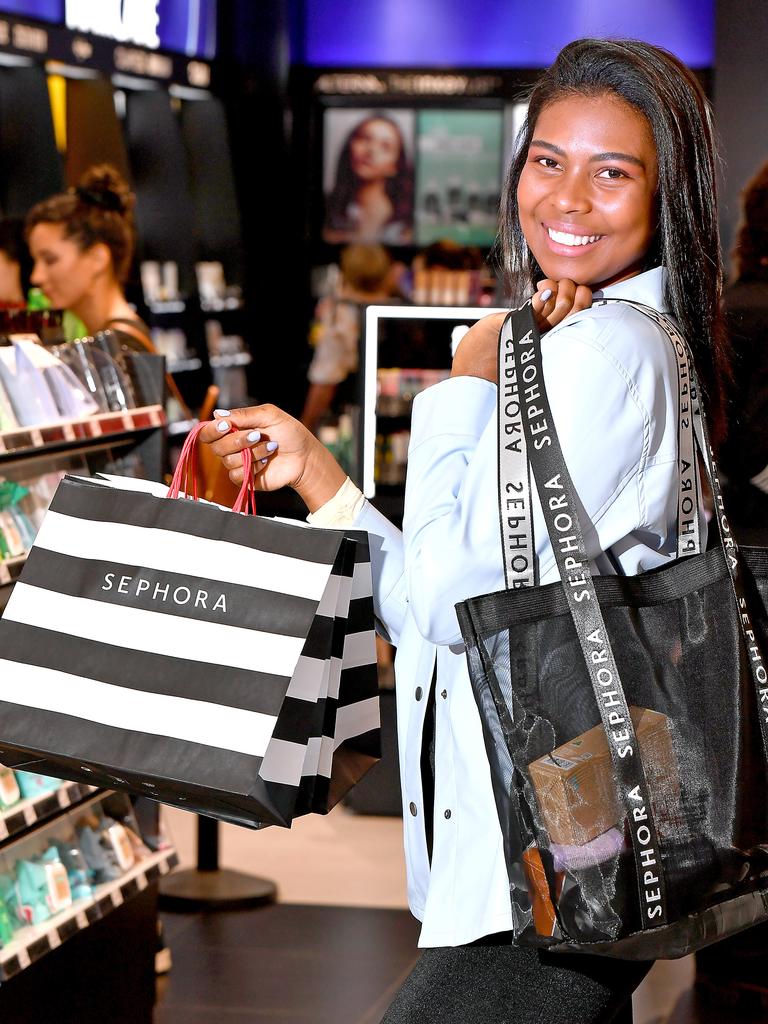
(627, 157)
(548, 145)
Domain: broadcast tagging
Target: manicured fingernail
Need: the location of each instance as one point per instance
(271, 446)
(221, 412)
(222, 425)
(255, 435)
(546, 295)
(264, 462)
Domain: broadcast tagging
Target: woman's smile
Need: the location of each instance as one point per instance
(587, 193)
(570, 239)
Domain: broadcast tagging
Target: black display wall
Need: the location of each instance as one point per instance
(94, 132)
(158, 162)
(30, 165)
(741, 101)
(252, 80)
(212, 186)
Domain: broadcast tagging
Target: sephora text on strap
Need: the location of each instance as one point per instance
(622, 715)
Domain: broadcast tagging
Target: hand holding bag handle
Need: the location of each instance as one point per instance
(186, 474)
(520, 348)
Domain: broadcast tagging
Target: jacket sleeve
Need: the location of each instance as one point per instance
(451, 527)
(390, 600)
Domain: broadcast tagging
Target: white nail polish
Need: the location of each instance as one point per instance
(545, 295)
(222, 425)
(221, 412)
(255, 435)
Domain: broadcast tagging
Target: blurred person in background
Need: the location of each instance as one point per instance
(15, 264)
(734, 973)
(445, 273)
(745, 454)
(82, 243)
(365, 278)
(371, 200)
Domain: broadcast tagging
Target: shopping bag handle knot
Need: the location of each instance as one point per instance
(185, 476)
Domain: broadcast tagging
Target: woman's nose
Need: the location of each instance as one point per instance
(571, 195)
(35, 277)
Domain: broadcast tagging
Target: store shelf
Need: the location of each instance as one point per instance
(10, 570)
(31, 943)
(226, 361)
(167, 306)
(181, 427)
(27, 813)
(73, 433)
(221, 305)
(184, 365)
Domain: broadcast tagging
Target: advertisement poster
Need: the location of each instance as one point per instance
(368, 175)
(458, 176)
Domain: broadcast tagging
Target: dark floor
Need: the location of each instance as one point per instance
(317, 965)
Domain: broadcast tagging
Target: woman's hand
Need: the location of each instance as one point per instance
(562, 299)
(553, 301)
(285, 453)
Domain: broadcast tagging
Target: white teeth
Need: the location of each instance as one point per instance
(565, 239)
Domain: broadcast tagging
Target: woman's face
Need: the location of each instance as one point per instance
(63, 270)
(587, 192)
(375, 150)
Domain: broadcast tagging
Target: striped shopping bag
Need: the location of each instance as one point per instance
(218, 661)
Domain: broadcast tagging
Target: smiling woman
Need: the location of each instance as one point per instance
(611, 195)
(638, 167)
(587, 198)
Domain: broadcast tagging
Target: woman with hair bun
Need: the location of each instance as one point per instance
(82, 244)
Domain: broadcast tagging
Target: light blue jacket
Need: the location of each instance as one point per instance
(612, 383)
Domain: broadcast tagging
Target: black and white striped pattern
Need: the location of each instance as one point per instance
(206, 658)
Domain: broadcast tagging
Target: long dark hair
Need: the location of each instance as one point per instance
(399, 187)
(99, 209)
(665, 91)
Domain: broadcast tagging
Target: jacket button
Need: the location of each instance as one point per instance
(412, 808)
(419, 693)
(447, 814)
(444, 694)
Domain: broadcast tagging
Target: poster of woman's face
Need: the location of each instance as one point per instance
(368, 175)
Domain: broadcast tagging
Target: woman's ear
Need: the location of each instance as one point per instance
(100, 258)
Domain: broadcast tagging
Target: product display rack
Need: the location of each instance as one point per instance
(124, 911)
(72, 433)
(140, 430)
(23, 815)
(29, 451)
(196, 370)
(32, 942)
(10, 569)
(406, 340)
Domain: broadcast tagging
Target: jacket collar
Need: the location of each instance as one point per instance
(648, 288)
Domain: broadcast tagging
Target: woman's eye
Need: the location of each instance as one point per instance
(546, 161)
(612, 173)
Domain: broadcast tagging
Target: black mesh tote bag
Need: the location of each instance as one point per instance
(625, 718)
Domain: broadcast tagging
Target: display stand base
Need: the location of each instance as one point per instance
(192, 890)
(209, 887)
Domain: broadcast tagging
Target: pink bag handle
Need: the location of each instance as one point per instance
(186, 474)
